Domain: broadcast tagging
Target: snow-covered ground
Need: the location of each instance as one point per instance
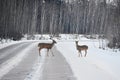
(97, 65)
(8, 43)
(13, 62)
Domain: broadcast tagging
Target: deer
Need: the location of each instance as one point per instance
(48, 46)
(81, 48)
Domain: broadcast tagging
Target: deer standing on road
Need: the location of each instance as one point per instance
(81, 48)
(48, 46)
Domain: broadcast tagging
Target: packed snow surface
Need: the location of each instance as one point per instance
(99, 64)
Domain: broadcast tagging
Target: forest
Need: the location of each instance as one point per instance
(20, 17)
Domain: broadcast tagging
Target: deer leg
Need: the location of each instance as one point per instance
(39, 52)
(80, 54)
(52, 53)
(85, 53)
(47, 52)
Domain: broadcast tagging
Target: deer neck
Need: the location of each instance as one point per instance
(77, 45)
(53, 44)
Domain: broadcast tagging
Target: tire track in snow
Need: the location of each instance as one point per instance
(8, 53)
(14, 61)
(36, 72)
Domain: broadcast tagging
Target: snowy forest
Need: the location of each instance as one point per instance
(20, 17)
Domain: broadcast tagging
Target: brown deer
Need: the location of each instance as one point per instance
(48, 46)
(81, 48)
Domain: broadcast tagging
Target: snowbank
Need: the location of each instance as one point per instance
(98, 65)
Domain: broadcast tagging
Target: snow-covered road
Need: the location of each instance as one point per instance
(21, 61)
(17, 60)
(57, 68)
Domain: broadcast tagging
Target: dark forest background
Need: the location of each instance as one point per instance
(19, 17)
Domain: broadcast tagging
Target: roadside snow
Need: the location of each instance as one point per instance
(98, 65)
(2, 45)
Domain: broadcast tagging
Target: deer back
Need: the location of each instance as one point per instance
(82, 47)
(46, 45)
